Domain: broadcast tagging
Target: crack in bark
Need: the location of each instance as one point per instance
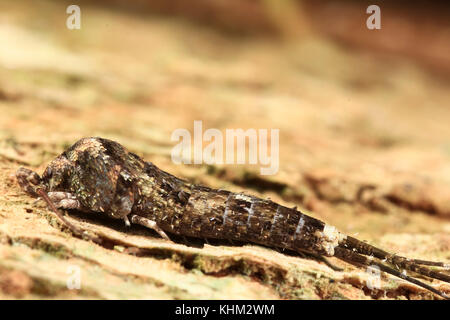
(406, 291)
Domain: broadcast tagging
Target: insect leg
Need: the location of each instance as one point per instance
(360, 260)
(149, 224)
(398, 261)
(127, 222)
(82, 233)
(310, 255)
(28, 180)
(326, 261)
(64, 200)
(31, 183)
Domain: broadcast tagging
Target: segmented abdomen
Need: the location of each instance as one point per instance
(221, 214)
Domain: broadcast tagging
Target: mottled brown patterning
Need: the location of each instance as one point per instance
(99, 175)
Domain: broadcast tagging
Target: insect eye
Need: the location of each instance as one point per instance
(48, 172)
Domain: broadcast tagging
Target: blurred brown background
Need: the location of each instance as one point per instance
(364, 135)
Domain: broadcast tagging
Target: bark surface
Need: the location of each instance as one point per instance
(364, 146)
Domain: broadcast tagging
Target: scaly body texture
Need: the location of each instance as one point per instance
(99, 175)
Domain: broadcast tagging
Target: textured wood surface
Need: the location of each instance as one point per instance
(364, 146)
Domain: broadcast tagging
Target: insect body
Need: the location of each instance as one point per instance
(99, 175)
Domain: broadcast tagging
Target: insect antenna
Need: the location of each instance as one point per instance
(80, 232)
(357, 259)
(398, 261)
(365, 248)
(431, 263)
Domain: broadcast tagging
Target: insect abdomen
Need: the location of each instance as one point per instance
(222, 214)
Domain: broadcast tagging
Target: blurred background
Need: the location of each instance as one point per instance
(363, 117)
